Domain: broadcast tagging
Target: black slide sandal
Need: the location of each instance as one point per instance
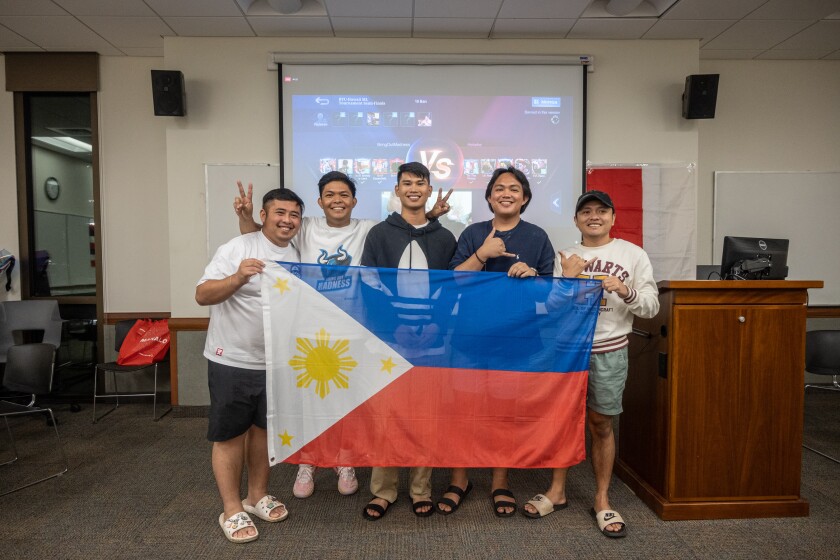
(462, 495)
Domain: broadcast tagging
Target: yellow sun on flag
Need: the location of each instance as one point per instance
(322, 363)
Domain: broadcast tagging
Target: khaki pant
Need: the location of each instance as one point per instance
(383, 483)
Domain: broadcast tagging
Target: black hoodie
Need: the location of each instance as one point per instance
(386, 242)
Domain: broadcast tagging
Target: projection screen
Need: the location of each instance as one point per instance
(461, 121)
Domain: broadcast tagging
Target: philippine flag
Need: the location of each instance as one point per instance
(392, 367)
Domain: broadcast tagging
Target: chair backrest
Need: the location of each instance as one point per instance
(121, 330)
(822, 352)
(29, 315)
(29, 368)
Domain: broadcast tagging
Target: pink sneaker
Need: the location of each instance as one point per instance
(347, 483)
(304, 482)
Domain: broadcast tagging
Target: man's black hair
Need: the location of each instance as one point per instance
(520, 177)
(336, 176)
(282, 194)
(414, 168)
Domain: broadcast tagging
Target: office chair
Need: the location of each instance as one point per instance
(29, 315)
(121, 331)
(29, 369)
(822, 357)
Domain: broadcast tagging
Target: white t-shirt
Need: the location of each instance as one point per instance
(632, 266)
(319, 243)
(235, 336)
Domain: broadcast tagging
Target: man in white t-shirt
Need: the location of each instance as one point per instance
(630, 290)
(235, 350)
(334, 239)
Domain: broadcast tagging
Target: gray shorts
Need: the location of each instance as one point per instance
(607, 376)
(237, 401)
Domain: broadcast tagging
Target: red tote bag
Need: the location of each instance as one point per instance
(146, 343)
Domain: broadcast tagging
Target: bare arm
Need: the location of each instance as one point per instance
(243, 205)
(212, 292)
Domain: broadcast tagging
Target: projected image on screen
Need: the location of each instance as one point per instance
(466, 140)
(529, 118)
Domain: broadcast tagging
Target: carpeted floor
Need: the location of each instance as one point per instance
(139, 489)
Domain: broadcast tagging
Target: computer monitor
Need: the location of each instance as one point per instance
(754, 258)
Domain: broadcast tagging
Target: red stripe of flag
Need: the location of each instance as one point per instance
(440, 417)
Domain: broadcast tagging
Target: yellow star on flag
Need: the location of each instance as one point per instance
(285, 438)
(282, 285)
(388, 365)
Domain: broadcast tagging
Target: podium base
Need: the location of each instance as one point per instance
(698, 509)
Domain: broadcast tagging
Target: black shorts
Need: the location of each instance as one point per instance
(237, 400)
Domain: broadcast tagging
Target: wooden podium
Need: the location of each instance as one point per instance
(712, 421)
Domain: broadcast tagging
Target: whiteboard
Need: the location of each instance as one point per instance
(800, 206)
(220, 190)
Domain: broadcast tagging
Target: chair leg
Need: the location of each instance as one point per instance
(154, 400)
(836, 387)
(12, 441)
(60, 448)
(829, 457)
(95, 376)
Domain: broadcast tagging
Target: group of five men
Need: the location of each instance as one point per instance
(410, 239)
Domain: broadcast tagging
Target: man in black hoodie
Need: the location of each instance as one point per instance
(408, 240)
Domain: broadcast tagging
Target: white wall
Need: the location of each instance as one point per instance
(135, 213)
(634, 115)
(770, 116)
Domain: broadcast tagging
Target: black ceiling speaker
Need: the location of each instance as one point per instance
(168, 93)
(700, 96)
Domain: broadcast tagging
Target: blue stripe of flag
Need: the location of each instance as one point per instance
(467, 320)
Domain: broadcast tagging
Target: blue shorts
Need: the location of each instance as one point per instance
(237, 401)
(607, 376)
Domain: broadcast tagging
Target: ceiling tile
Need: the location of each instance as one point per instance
(54, 32)
(195, 8)
(457, 9)
(610, 28)
(807, 54)
(756, 34)
(796, 9)
(9, 40)
(712, 9)
(279, 26)
(369, 8)
(105, 7)
(532, 28)
(745, 54)
(833, 56)
(705, 30)
(129, 31)
(821, 35)
(31, 8)
(539, 9)
(473, 28)
(210, 26)
(371, 27)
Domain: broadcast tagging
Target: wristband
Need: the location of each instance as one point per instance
(479, 258)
